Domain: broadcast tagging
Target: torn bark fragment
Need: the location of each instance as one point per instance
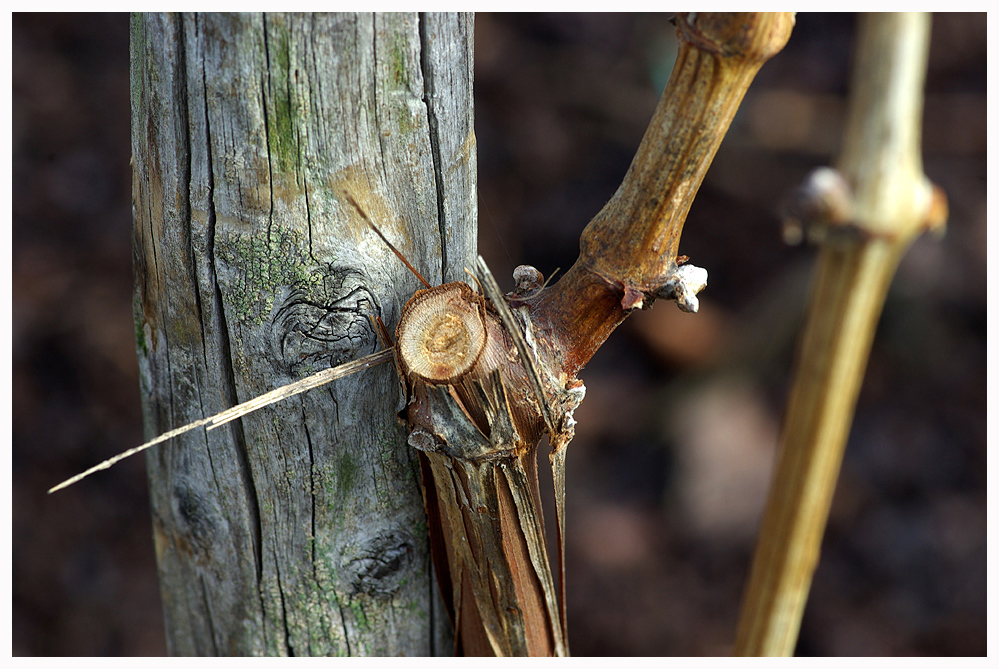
(477, 431)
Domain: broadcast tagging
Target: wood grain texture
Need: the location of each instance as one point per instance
(300, 529)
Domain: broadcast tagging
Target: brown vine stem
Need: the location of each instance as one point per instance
(890, 201)
(479, 439)
(628, 252)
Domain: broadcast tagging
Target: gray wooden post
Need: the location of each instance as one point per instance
(299, 529)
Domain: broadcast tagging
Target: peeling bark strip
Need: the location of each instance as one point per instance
(478, 408)
(298, 529)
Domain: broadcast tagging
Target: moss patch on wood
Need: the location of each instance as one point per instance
(283, 113)
(400, 72)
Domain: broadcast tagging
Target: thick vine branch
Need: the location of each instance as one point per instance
(509, 362)
(628, 252)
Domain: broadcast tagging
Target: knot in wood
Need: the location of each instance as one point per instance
(441, 333)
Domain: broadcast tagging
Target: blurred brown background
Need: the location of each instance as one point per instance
(668, 472)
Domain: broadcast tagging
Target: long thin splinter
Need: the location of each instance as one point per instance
(308, 383)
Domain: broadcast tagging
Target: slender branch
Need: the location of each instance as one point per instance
(891, 203)
(628, 251)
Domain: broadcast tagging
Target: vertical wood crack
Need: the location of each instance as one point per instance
(207, 603)
(184, 103)
(284, 610)
(222, 330)
(265, 88)
(433, 123)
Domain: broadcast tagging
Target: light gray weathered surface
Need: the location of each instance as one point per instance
(299, 529)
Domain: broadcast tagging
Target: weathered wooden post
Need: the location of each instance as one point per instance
(300, 529)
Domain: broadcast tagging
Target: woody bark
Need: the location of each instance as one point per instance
(300, 529)
(628, 252)
(479, 428)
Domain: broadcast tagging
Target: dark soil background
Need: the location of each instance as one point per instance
(668, 472)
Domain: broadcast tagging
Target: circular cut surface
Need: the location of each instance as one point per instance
(441, 333)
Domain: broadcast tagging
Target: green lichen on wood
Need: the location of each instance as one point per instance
(359, 615)
(345, 477)
(305, 618)
(327, 600)
(274, 632)
(398, 84)
(415, 608)
(406, 122)
(339, 478)
(262, 264)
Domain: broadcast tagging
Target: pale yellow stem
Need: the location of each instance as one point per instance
(892, 203)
